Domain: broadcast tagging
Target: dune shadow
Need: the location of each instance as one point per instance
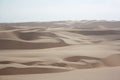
(33, 70)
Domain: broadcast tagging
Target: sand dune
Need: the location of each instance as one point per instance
(5, 28)
(67, 64)
(29, 40)
(62, 50)
(113, 60)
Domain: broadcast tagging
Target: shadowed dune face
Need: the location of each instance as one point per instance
(11, 44)
(34, 63)
(100, 36)
(79, 58)
(33, 35)
(16, 71)
(98, 32)
(28, 35)
(5, 62)
(60, 64)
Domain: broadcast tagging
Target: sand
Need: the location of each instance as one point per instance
(60, 53)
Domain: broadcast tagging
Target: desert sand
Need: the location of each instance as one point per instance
(61, 50)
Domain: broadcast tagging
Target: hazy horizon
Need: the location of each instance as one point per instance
(58, 10)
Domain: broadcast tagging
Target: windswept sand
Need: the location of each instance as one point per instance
(60, 53)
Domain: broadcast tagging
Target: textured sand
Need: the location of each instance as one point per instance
(63, 51)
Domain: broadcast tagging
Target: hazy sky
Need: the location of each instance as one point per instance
(52, 10)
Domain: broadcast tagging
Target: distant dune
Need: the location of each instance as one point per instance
(85, 24)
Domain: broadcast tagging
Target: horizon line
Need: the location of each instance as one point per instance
(59, 21)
